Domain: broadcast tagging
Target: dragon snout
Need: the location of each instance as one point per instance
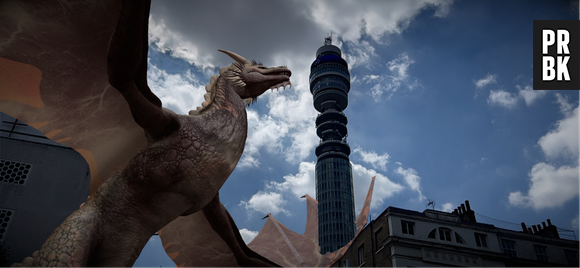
(286, 73)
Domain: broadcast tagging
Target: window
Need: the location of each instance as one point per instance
(432, 234)
(377, 241)
(408, 227)
(571, 256)
(541, 253)
(346, 263)
(509, 248)
(481, 240)
(361, 258)
(445, 234)
(459, 239)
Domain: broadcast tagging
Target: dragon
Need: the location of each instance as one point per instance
(178, 171)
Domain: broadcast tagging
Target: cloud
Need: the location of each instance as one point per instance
(380, 17)
(550, 187)
(510, 100)
(562, 141)
(377, 161)
(265, 202)
(299, 184)
(176, 43)
(370, 77)
(529, 94)
(447, 207)
(248, 235)
(507, 99)
(178, 92)
(263, 132)
(412, 179)
(502, 98)
(443, 8)
(566, 107)
(296, 111)
(487, 80)
(390, 83)
(248, 161)
(399, 67)
(359, 53)
(384, 187)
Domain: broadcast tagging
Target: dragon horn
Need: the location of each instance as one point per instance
(236, 57)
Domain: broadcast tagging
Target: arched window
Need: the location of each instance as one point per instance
(432, 234)
(445, 234)
(459, 239)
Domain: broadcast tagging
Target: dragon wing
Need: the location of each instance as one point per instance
(53, 77)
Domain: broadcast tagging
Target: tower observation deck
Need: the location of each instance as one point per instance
(330, 84)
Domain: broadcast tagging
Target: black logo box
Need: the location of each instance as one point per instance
(573, 28)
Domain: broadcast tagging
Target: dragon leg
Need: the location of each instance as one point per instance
(223, 224)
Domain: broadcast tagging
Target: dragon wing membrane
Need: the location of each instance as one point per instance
(53, 76)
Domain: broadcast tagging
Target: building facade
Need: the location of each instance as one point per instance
(330, 84)
(41, 183)
(406, 238)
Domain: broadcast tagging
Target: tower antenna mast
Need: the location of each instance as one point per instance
(328, 40)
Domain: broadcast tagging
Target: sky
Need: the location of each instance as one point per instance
(441, 106)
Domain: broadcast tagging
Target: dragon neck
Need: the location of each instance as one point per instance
(217, 91)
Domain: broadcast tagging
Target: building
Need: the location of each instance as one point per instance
(41, 183)
(330, 84)
(406, 238)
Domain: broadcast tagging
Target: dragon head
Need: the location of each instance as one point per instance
(250, 79)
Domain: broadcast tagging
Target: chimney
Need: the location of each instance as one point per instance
(529, 230)
(455, 212)
(465, 212)
(548, 230)
(524, 229)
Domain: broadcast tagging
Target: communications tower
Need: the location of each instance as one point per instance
(330, 84)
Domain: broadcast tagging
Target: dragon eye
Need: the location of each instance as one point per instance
(262, 67)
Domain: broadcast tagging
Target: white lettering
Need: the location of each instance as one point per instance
(563, 40)
(547, 40)
(548, 72)
(563, 68)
